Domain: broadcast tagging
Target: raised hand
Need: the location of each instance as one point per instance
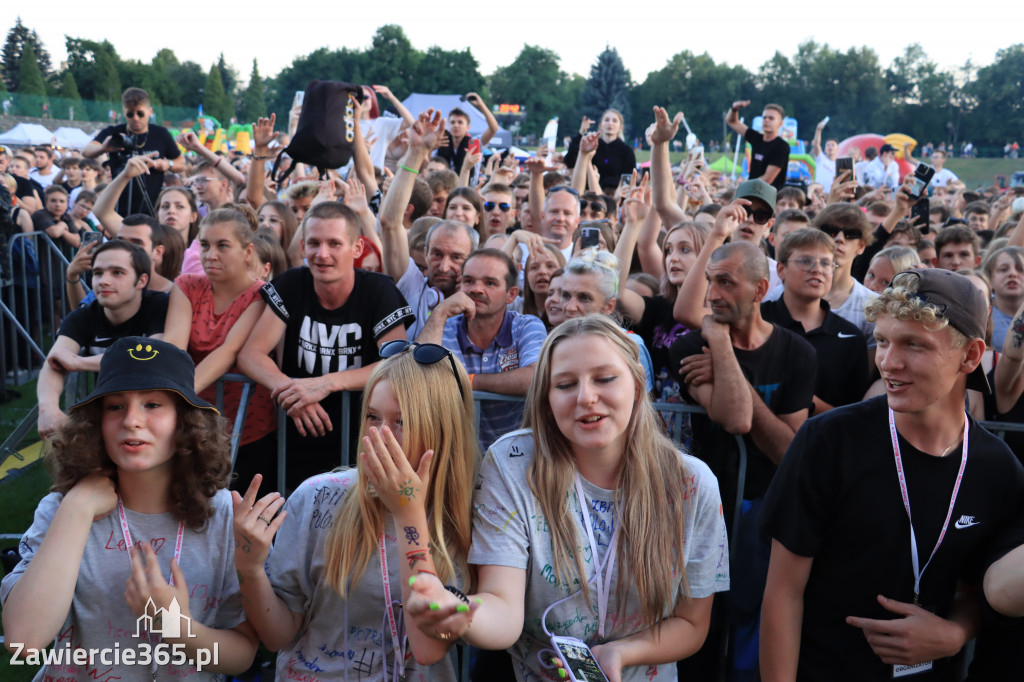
(188, 140)
(256, 522)
(638, 203)
(729, 218)
(537, 165)
(355, 195)
(146, 582)
(588, 143)
(263, 131)
(402, 489)
(664, 128)
(136, 166)
(740, 103)
(427, 132)
(585, 125)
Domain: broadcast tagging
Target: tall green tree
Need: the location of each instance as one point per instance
(535, 81)
(449, 72)
(191, 79)
(998, 114)
(228, 76)
(14, 47)
(69, 89)
(695, 85)
(607, 87)
(215, 100)
(107, 87)
(921, 96)
(392, 60)
(254, 103)
(30, 82)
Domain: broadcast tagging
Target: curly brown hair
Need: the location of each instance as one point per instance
(201, 464)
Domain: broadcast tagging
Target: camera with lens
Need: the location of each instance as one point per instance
(126, 144)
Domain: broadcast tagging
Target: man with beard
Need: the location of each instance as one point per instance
(498, 347)
(448, 244)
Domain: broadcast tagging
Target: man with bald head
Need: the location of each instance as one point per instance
(755, 379)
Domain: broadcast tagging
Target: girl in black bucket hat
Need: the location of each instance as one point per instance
(132, 548)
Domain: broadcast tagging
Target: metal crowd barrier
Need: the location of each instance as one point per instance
(34, 300)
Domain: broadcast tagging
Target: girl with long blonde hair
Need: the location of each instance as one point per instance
(353, 541)
(589, 522)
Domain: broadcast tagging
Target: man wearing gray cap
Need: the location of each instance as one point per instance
(878, 523)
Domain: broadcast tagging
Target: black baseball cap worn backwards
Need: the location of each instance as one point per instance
(960, 302)
(137, 363)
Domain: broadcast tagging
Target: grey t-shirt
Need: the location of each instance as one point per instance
(339, 639)
(99, 618)
(509, 530)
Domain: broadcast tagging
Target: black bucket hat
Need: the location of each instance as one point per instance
(137, 363)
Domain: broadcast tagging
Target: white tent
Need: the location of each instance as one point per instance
(419, 102)
(73, 138)
(25, 134)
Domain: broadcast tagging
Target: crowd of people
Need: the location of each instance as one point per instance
(852, 343)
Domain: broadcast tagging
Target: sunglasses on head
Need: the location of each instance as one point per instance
(761, 216)
(564, 188)
(504, 206)
(595, 206)
(423, 353)
(848, 232)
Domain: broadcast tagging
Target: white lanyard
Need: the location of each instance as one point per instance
(128, 537)
(603, 583)
(389, 609)
(901, 475)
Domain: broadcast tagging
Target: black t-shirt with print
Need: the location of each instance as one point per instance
(764, 154)
(157, 139)
(836, 498)
(319, 341)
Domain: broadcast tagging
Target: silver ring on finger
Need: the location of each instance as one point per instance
(264, 519)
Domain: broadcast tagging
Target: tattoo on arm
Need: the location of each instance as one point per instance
(416, 556)
(412, 535)
(407, 492)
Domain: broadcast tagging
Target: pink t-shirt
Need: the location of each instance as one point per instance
(209, 331)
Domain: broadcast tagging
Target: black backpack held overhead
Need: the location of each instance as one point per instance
(326, 132)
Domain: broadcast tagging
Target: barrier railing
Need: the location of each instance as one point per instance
(34, 299)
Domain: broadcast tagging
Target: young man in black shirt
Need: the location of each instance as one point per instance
(332, 319)
(123, 307)
(135, 138)
(769, 156)
(807, 259)
(859, 588)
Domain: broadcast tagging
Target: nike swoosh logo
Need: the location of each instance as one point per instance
(960, 525)
(846, 336)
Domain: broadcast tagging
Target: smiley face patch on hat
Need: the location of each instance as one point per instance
(147, 350)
